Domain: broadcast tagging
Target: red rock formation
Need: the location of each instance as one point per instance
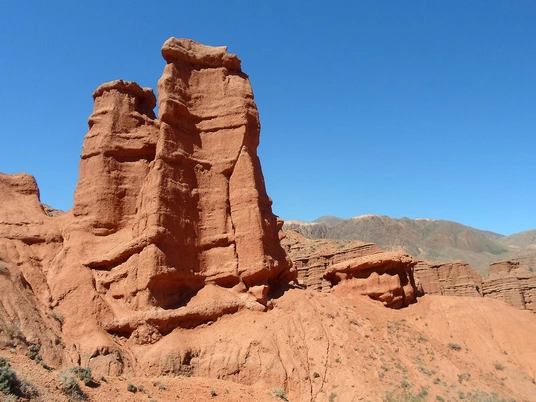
(29, 240)
(508, 281)
(512, 284)
(358, 267)
(451, 279)
(171, 224)
(172, 228)
(386, 276)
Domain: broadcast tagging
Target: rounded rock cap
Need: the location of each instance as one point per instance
(195, 53)
(146, 95)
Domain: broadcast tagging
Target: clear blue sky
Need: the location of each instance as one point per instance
(400, 108)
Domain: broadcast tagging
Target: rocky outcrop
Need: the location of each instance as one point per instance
(358, 267)
(451, 279)
(512, 284)
(508, 281)
(171, 224)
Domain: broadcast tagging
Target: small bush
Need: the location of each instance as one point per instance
(69, 385)
(58, 317)
(14, 334)
(4, 361)
(82, 374)
(498, 366)
(132, 388)
(280, 393)
(455, 346)
(9, 382)
(28, 389)
(33, 352)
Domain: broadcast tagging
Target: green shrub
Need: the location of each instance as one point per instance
(33, 352)
(132, 388)
(455, 346)
(69, 385)
(82, 374)
(9, 383)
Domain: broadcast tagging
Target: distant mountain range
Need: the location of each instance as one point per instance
(429, 239)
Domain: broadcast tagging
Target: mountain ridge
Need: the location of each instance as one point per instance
(423, 238)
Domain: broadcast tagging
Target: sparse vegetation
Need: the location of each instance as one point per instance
(424, 370)
(8, 380)
(280, 393)
(132, 388)
(464, 376)
(455, 346)
(70, 381)
(57, 316)
(69, 385)
(33, 352)
(10, 385)
(407, 396)
(13, 334)
(332, 397)
(498, 366)
(82, 374)
(160, 386)
(422, 339)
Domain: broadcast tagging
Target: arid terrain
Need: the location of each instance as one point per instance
(426, 239)
(172, 279)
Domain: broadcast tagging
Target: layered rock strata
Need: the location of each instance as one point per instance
(450, 279)
(508, 281)
(512, 284)
(171, 224)
(356, 266)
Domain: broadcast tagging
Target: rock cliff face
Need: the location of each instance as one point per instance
(171, 225)
(450, 279)
(508, 281)
(359, 267)
(512, 284)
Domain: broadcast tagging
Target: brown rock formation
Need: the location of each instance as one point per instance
(362, 267)
(451, 279)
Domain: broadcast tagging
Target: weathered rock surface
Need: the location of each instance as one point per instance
(169, 264)
(362, 267)
(450, 279)
(512, 284)
(171, 224)
(508, 281)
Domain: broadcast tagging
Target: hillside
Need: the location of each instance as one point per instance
(426, 239)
